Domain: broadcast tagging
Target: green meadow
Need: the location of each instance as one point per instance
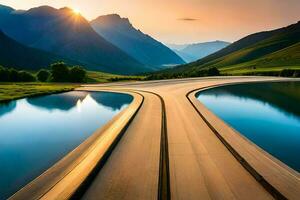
(11, 91)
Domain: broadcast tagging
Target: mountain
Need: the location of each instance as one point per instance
(185, 56)
(120, 32)
(193, 52)
(62, 32)
(14, 54)
(177, 47)
(267, 50)
(5, 9)
(200, 50)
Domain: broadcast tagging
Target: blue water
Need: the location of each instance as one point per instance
(35, 133)
(266, 113)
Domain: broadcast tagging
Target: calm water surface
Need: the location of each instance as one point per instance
(266, 113)
(37, 132)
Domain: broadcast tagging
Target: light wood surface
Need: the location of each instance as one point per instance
(207, 159)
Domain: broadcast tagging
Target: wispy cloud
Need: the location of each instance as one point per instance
(187, 19)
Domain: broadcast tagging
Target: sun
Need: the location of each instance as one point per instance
(76, 11)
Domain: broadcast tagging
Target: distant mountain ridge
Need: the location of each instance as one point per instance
(142, 47)
(5, 9)
(177, 47)
(196, 51)
(62, 32)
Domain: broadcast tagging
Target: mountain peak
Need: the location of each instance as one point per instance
(66, 10)
(139, 45)
(5, 9)
(42, 10)
(112, 20)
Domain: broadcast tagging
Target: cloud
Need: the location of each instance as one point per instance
(187, 19)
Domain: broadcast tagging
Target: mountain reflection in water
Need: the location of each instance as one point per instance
(67, 101)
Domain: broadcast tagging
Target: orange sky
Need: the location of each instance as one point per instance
(185, 21)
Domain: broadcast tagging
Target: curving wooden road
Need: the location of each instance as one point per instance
(174, 148)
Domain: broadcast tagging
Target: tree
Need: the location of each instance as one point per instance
(296, 73)
(26, 77)
(77, 74)
(287, 72)
(59, 72)
(4, 74)
(43, 75)
(13, 75)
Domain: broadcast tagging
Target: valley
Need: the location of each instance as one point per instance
(145, 100)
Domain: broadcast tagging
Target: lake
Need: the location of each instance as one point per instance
(37, 132)
(268, 114)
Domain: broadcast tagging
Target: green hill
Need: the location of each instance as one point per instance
(264, 51)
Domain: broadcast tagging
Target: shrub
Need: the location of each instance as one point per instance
(4, 74)
(26, 77)
(296, 74)
(77, 74)
(43, 75)
(213, 72)
(114, 79)
(287, 73)
(59, 72)
(14, 75)
(290, 73)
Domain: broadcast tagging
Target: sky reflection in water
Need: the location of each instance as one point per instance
(266, 113)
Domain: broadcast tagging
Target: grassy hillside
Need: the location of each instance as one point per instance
(287, 58)
(259, 50)
(266, 51)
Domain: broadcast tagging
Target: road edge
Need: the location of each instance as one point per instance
(276, 192)
(41, 187)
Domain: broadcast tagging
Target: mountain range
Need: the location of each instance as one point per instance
(62, 32)
(140, 46)
(176, 47)
(15, 54)
(109, 43)
(193, 52)
(268, 50)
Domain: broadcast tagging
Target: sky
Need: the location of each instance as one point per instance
(186, 21)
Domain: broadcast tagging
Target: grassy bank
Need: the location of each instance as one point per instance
(11, 91)
(272, 71)
(101, 77)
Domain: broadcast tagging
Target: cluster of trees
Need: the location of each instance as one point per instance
(124, 78)
(283, 73)
(192, 73)
(58, 72)
(290, 73)
(12, 75)
(215, 72)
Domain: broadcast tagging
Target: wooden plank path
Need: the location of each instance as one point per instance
(174, 148)
(132, 171)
